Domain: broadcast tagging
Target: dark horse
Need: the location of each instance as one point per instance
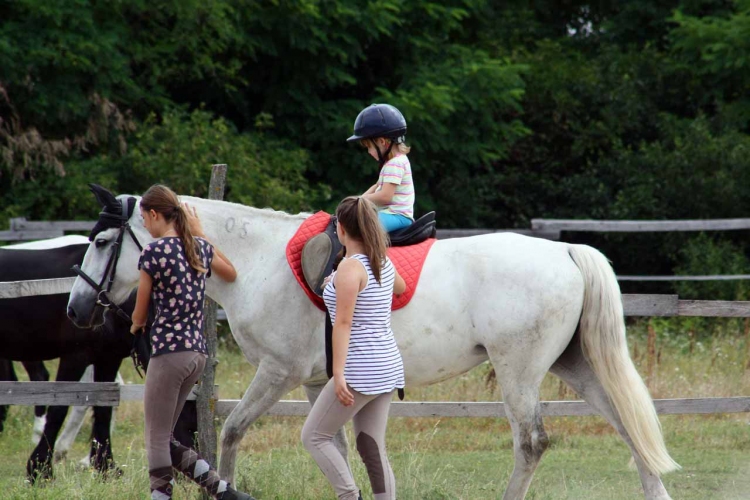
(37, 328)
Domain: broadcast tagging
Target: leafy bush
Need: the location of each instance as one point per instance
(704, 255)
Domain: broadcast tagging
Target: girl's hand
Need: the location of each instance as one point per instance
(193, 221)
(136, 329)
(342, 391)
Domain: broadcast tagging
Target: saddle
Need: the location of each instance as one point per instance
(322, 253)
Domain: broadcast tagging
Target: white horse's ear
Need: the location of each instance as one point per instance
(105, 198)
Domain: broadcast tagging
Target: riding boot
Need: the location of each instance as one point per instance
(187, 461)
(161, 483)
(232, 494)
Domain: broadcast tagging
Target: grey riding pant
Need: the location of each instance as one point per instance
(169, 379)
(369, 414)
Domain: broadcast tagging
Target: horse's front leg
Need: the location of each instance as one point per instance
(272, 380)
(102, 459)
(37, 373)
(339, 440)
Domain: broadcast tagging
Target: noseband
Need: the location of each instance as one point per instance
(102, 297)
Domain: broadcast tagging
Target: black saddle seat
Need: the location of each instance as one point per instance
(423, 228)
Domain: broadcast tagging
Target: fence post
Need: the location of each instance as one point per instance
(650, 356)
(206, 401)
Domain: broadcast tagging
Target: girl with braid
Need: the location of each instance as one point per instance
(174, 269)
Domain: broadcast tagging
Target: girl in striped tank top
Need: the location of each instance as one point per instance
(367, 364)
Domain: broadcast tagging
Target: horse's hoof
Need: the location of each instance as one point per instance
(39, 475)
(111, 472)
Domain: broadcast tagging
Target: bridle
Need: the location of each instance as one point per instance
(102, 293)
(102, 297)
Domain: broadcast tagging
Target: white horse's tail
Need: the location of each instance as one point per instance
(602, 331)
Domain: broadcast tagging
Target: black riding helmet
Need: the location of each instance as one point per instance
(380, 120)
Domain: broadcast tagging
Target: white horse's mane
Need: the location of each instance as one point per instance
(277, 214)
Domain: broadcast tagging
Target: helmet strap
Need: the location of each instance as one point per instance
(383, 157)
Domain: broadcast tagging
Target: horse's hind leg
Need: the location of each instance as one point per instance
(39, 464)
(521, 398)
(575, 371)
(73, 424)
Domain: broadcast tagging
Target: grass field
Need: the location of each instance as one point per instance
(453, 458)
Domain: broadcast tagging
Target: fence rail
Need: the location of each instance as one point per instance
(639, 226)
(25, 230)
(74, 393)
(21, 229)
(111, 394)
(633, 304)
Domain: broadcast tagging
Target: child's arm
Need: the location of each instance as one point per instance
(371, 190)
(384, 196)
(140, 313)
(399, 286)
(222, 266)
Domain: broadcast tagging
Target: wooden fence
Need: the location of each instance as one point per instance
(75, 393)
(110, 394)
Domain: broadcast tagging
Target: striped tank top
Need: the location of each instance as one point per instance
(373, 363)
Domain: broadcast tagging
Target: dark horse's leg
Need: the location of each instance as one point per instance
(185, 431)
(40, 463)
(6, 374)
(105, 370)
(37, 373)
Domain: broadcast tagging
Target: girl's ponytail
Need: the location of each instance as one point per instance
(188, 242)
(372, 234)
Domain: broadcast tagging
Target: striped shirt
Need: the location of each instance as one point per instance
(397, 171)
(373, 363)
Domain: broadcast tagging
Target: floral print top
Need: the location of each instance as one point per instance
(177, 291)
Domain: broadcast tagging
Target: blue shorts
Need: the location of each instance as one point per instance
(392, 222)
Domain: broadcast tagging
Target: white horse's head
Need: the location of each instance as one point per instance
(110, 267)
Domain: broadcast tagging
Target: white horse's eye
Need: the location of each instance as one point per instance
(101, 243)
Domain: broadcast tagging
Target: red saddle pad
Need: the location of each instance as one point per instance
(408, 260)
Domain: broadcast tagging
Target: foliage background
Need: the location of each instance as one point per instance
(624, 110)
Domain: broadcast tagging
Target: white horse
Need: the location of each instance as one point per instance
(528, 305)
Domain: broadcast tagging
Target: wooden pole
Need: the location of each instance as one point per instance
(206, 401)
(650, 356)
